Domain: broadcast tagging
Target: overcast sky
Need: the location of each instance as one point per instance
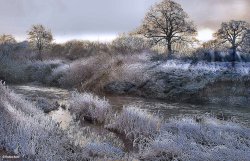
(103, 19)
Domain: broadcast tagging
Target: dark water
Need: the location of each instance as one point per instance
(162, 108)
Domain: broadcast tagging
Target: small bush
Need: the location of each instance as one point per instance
(89, 107)
(134, 122)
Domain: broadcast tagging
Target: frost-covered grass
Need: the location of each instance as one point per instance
(195, 139)
(89, 107)
(184, 138)
(29, 133)
(135, 123)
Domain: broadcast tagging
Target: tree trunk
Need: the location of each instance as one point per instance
(169, 48)
(234, 56)
(39, 56)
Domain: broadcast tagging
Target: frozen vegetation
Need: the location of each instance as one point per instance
(140, 64)
(199, 138)
(33, 135)
(89, 107)
(135, 123)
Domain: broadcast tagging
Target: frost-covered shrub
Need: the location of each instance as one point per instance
(76, 49)
(130, 44)
(134, 123)
(12, 70)
(41, 70)
(96, 72)
(90, 73)
(57, 74)
(45, 105)
(89, 107)
(76, 73)
(202, 138)
(22, 71)
(133, 69)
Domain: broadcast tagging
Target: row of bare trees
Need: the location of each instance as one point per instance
(167, 22)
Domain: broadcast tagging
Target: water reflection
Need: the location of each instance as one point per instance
(167, 110)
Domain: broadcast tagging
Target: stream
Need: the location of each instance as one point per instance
(164, 109)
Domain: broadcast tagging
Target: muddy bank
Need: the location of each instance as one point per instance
(227, 92)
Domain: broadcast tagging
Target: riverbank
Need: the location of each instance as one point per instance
(140, 75)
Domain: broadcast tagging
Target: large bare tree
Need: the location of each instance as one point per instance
(234, 33)
(167, 21)
(40, 38)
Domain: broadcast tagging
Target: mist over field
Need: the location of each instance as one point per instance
(125, 80)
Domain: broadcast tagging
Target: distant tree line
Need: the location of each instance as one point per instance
(165, 24)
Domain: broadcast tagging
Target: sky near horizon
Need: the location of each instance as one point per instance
(103, 20)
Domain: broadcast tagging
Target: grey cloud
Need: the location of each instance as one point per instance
(72, 17)
(210, 13)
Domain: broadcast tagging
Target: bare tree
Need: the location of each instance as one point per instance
(7, 44)
(234, 33)
(7, 39)
(40, 38)
(167, 21)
